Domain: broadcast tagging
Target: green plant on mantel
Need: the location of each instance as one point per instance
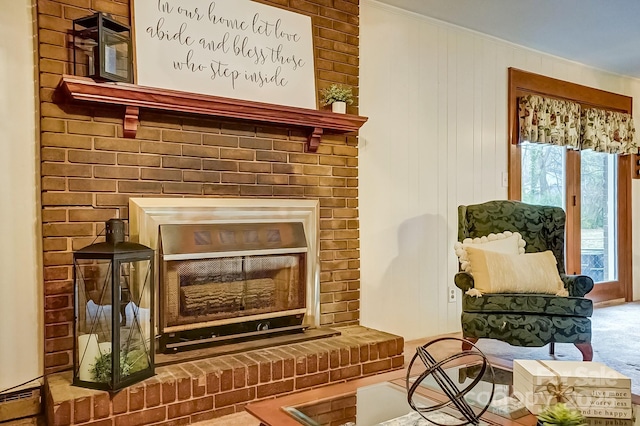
(336, 93)
(561, 415)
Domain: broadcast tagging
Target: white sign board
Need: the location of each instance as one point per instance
(231, 48)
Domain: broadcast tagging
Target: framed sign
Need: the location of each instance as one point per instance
(232, 48)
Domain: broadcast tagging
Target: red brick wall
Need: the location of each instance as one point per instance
(89, 171)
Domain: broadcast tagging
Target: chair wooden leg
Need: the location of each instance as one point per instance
(586, 350)
(466, 346)
(552, 348)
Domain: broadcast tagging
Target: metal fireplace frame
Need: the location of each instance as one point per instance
(147, 214)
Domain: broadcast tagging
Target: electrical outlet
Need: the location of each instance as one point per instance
(452, 296)
(505, 179)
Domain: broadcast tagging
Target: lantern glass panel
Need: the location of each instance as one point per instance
(85, 51)
(93, 323)
(116, 55)
(136, 329)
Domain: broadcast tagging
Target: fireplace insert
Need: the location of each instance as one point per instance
(222, 281)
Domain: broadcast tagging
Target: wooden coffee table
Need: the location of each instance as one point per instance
(373, 399)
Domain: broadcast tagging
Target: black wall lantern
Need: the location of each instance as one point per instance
(114, 325)
(102, 48)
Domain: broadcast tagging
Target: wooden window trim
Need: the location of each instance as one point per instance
(523, 83)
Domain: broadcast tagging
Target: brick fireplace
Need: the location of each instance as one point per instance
(90, 171)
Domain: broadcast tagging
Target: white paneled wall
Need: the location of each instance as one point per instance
(21, 294)
(436, 98)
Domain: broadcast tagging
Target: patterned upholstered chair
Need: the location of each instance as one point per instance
(530, 320)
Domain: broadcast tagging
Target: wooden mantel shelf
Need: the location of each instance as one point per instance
(134, 97)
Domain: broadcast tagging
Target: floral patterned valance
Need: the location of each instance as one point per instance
(547, 120)
(566, 123)
(607, 131)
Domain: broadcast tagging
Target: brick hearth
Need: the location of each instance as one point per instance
(201, 390)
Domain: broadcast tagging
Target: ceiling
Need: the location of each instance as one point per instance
(604, 34)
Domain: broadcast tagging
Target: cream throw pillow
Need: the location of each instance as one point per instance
(504, 242)
(495, 272)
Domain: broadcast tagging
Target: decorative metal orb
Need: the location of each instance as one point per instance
(455, 395)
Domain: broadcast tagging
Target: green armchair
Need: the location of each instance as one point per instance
(531, 320)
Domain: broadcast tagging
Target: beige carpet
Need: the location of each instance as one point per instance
(237, 419)
(615, 341)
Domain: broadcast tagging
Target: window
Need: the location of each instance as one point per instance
(543, 174)
(599, 215)
(593, 188)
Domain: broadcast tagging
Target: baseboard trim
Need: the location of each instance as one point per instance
(606, 303)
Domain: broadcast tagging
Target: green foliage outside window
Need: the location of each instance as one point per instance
(543, 181)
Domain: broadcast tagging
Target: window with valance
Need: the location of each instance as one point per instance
(567, 123)
(567, 147)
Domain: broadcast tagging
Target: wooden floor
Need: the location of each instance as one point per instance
(237, 419)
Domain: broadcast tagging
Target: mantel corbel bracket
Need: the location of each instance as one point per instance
(131, 121)
(314, 139)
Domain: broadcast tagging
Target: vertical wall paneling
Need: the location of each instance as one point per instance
(381, 237)
(452, 186)
(476, 98)
(427, 164)
(488, 124)
(439, 151)
(411, 243)
(436, 98)
(21, 298)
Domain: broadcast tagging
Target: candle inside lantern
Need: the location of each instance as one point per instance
(88, 351)
(143, 317)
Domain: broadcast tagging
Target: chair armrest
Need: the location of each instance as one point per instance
(464, 281)
(577, 285)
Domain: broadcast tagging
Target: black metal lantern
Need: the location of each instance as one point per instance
(114, 320)
(102, 48)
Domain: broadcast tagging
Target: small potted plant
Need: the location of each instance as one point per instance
(561, 415)
(338, 97)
